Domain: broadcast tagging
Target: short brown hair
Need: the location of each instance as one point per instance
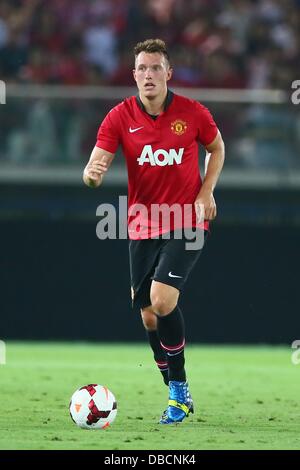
(151, 46)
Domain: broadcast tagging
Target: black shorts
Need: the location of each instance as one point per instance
(166, 261)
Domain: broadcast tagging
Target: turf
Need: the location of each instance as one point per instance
(245, 398)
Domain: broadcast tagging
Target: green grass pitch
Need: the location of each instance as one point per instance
(245, 397)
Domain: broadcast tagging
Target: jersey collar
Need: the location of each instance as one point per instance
(167, 103)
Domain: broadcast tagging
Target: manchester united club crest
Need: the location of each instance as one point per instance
(178, 127)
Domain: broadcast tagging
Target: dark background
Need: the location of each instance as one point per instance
(59, 281)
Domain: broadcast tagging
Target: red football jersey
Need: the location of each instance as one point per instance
(162, 161)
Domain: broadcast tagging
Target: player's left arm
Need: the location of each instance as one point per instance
(205, 204)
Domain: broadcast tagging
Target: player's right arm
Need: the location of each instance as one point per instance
(98, 164)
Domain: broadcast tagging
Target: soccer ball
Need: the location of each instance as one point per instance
(93, 407)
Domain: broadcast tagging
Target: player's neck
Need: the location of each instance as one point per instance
(154, 106)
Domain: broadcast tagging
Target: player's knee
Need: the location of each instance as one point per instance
(149, 319)
(163, 298)
(163, 305)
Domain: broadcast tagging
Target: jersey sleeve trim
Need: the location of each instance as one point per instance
(211, 141)
(207, 128)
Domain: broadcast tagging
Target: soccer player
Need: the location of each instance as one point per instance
(160, 132)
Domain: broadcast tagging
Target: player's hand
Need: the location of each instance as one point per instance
(205, 206)
(94, 171)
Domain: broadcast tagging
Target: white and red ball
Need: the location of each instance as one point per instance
(93, 407)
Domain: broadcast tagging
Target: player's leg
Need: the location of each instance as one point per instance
(150, 323)
(143, 255)
(174, 266)
(171, 332)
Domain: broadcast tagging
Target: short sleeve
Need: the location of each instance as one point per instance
(207, 128)
(108, 136)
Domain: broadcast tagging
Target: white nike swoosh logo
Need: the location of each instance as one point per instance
(134, 130)
(173, 275)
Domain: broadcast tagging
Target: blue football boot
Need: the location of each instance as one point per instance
(180, 403)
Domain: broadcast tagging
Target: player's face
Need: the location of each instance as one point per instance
(151, 74)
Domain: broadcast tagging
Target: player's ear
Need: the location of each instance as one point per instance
(134, 74)
(169, 73)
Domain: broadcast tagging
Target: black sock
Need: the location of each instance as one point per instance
(159, 354)
(171, 334)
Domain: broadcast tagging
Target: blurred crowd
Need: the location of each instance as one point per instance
(213, 43)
